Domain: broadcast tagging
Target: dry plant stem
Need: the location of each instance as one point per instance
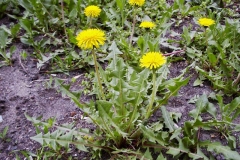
(149, 109)
(49, 35)
(41, 80)
(20, 61)
(172, 53)
(133, 28)
(63, 20)
(98, 76)
(237, 80)
(199, 132)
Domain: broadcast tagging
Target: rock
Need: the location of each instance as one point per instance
(14, 147)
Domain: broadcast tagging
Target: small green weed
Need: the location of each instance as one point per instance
(3, 135)
(6, 55)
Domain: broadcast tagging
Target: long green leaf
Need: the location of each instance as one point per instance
(200, 105)
(233, 106)
(65, 90)
(58, 137)
(105, 112)
(174, 86)
(175, 151)
(139, 82)
(219, 148)
(3, 39)
(26, 24)
(151, 136)
(167, 119)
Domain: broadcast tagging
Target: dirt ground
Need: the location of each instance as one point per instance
(24, 90)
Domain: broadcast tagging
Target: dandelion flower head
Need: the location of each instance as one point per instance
(206, 22)
(152, 60)
(147, 24)
(92, 11)
(136, 2)
(90, 38)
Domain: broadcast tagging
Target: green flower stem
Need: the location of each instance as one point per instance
(90, 22)
(133, 27)
(148, 36)
(79, 4)
(149, 109)
(109, 131)
(132, 117)
(63, 19)
(98, 76)
(121, 97)
(122, 13)
(205, 35)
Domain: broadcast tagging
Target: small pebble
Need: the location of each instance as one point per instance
(14, 148)
(1, 119)
(75, 155)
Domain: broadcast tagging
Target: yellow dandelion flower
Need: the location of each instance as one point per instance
(206, 22)
(152, 60)
(136, 2)
(90, 38)
(147, 24)
(92, 11)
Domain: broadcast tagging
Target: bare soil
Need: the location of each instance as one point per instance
(23, 92)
